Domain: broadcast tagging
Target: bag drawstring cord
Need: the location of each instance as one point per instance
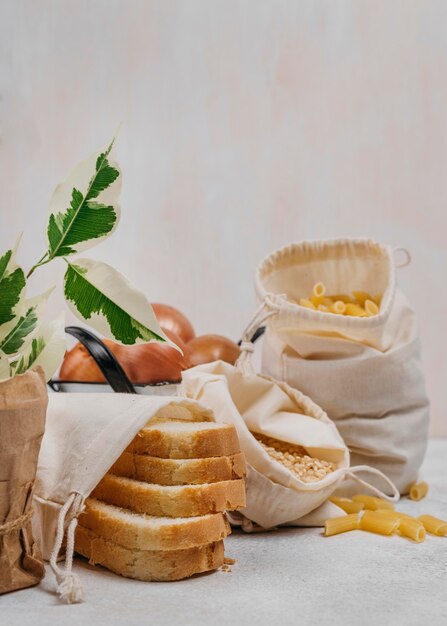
(270, 307)
(69, 585)
(352, 473)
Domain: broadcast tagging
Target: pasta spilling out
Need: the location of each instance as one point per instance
(378, 516)
(360, 304)
(418, 491)
(295, 458)
(341, 524)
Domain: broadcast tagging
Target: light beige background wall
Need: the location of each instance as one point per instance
(246, 125)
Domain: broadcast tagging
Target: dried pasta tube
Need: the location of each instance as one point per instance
(371, 308)
(348, 505)
(341, 524)
(316, 300)
(307, 303)
(319, 289)
(339, 307)
(355, 310)
(434, 525)
(412, 528)
(418, 491)
(362, 296)
(323, 308)
(378, 299)
(394, 514)
(378, 523)
(372, 503)
(343, 297)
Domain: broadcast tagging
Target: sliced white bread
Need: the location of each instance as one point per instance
(180, 471)
(148, 565)
(175, 439)
(168, 500)
(146, 532)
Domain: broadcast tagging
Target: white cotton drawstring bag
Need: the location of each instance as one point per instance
(365, 372)
(259, 404)
(85, 434)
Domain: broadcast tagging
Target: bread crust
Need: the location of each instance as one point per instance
(137, 531)
(186, 444)
(180, 471)
(148, 565)
(171, 501)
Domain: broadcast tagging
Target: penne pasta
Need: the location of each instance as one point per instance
(348, 505)
(418, 491)
(338, 307)
(319, 289)
(394, 514)
(362, 296)
(307, 303)
(372, 503)
(361, 304)
(378, 299)
(355, 310)
(434, 525)
(343, 297)
(341, 524)
(371, 308)
(412, 528)
(378, 523)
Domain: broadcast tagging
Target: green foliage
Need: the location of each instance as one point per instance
(11, 286)
(89, 300)
(16, 337)
(84, 219)
(27, 361)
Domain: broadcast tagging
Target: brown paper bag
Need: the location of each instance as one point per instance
(23, 405)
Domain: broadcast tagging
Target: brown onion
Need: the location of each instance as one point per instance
(143, 363)
(208, 348)
(172, 319)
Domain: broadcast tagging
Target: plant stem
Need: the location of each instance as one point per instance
(38, 264)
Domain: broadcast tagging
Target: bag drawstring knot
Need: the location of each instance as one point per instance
(270, 306)
(69, 585)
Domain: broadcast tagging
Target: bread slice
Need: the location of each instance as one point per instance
(171, 501)
(180, 471)
(146, 532)
(154, 565)
(174, 439)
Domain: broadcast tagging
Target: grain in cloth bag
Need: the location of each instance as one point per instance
(365, 372)
(23, 404)
(259, 405)
(84, 436)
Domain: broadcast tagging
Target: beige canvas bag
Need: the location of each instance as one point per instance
(259, 404)
(85, 434)
(365, 373)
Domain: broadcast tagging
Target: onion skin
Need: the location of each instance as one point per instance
(172, 319)
(146, 363)
(208, 348)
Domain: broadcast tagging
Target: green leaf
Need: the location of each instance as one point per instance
(47, 350)
(100, 295)
(12, 282)
(15, 339)
(19, 331)
(25, 362)
(76, 221)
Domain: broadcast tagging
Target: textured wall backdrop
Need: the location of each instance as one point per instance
(247, 124)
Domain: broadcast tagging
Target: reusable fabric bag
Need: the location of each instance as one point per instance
(365, 372)
(85, 434)
(259, 404)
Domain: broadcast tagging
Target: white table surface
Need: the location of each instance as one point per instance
(291, 576)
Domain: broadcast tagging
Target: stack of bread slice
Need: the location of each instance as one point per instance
(159, 513)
